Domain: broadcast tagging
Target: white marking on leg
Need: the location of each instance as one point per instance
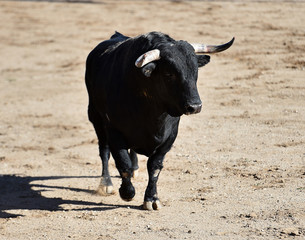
(156, 173)
(135, 173)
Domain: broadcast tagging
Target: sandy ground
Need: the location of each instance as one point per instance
(236, 170)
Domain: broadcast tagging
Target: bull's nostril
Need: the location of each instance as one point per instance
(191, 109)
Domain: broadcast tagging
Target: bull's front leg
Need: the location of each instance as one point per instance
(154, 167)
(123, 163)
(134, 160)
(124, 166)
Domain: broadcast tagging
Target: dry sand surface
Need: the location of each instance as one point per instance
(236, 170)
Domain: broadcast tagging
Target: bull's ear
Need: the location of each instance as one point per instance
(148, 69)
(203, 60)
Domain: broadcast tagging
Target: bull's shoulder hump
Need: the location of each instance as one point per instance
(119, 36)
(108, 45)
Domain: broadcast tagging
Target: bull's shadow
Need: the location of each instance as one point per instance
(16, 193)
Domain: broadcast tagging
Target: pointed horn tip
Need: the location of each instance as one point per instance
(232, 40)
(222, 47)
(229, 44)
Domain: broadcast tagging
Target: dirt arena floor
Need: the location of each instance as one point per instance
(237, 169)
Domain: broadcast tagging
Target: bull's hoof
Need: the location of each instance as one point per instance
(127, 191)
(152, 205)
(105, 188)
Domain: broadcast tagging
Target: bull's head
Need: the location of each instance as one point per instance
(178, 72)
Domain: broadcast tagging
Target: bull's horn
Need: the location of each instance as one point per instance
(148, 57)
(201, 48)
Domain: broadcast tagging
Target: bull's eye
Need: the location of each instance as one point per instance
(170, 76)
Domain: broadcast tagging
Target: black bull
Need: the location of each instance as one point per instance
(138, 89)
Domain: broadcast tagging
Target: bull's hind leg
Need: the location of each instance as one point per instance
(106, 186)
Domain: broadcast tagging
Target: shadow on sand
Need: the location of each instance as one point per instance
(16, 193)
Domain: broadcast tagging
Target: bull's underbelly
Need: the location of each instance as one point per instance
(146, 139)
(146, 143)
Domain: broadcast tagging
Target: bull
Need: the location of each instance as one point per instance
(138, 89)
